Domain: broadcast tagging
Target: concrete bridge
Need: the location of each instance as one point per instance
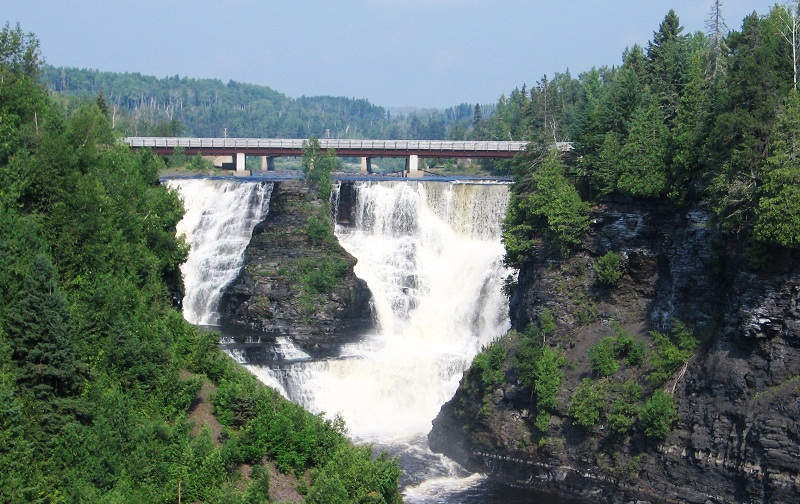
(270, 148)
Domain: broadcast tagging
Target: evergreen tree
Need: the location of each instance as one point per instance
(642, 162)
(668, 68)
(778, 211)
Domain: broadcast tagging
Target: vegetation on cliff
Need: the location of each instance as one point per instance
(682, 182)
(681, 120)
(100, 377)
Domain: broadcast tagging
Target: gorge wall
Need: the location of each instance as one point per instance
(738, 396)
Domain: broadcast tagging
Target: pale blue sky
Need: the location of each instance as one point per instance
(425, 53)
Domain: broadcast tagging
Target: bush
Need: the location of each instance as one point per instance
(588, 402)
(609, 268)
(671, 353)
(623, 411)
(489, 363)
(657, 415)
(548, 375)
(603, 357)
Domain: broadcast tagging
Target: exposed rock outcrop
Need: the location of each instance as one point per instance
(738, 432)
(292, 285)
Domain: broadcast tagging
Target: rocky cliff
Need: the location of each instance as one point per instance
(736, 432)
(297, 281)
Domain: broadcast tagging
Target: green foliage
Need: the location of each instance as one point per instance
(319, 227)
(320, 276)
(92, 406)
(624, 410)
(603, 357)
(671, 353)
(489, 363)
(352, 475)
(609, 268)
(589, 402)
(642, 163)
(543, 204)
(547, 375)
(318, 166)
(778, 209)
(178, 106)
(547, 323)
(657, 415)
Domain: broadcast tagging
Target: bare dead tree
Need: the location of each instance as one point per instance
(788, 28)
(717, 31)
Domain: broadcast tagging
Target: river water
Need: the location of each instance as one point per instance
(431, 255)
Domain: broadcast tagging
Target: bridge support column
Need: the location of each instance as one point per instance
(267, 163)
(240, 166)
(366, 165)
(412, 166)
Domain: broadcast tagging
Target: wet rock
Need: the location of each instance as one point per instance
(266, 296)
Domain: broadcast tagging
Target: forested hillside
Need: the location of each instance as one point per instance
(691, 117)
(140, 105)
(100, 376)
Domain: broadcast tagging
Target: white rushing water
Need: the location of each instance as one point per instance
(431, 255)
(218, 224)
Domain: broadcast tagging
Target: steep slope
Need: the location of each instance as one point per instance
(734, 438)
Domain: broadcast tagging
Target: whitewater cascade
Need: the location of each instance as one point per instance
(218, 224)
(431, 255)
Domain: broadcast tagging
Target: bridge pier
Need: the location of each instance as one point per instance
(267, 163)
(412, 167)
(366, 165)
(240, 166)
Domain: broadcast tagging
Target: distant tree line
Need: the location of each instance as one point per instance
(144, 105)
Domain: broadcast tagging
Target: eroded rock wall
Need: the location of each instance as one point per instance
(737, 437)
(269, 297)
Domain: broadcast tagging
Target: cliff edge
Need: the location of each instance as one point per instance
(732, 433)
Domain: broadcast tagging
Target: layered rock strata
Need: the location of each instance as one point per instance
(737, 437)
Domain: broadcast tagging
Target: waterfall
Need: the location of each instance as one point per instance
(431, 255)
(218, 224)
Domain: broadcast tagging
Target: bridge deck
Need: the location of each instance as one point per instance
(278, 147)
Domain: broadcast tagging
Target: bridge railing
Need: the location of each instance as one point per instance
(347, 144)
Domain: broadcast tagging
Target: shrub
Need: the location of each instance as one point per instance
(609, 268)
(669, 354)
(547, 375)
(489, 363)
(603, 357)
(657, 415)
(623, 411)
(588, 402)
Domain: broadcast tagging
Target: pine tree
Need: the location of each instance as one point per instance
(643, 157)
(778, 210)
(667, 54)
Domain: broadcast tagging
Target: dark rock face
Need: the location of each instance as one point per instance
(267, 296)
(738, 434)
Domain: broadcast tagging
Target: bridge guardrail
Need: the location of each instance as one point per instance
(352, 144)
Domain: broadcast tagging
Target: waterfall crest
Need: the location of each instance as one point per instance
(218, 224)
